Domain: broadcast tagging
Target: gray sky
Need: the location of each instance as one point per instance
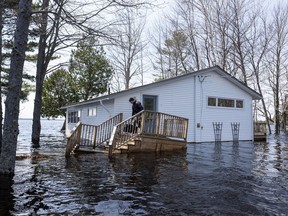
(26, 108)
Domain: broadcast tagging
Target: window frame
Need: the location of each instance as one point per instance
(242, 104)
(225, 102)
(93, 111)
(235, 102)
(214, 102)
(73, 116)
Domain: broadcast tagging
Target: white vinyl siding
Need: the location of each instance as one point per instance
(186, 97)
(173, 98)
(104, 112)
(218, 87)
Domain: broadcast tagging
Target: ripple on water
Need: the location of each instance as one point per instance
(208, 179)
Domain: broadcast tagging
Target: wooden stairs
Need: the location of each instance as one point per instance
(146, 131)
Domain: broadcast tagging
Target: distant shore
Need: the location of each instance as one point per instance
(55, 119)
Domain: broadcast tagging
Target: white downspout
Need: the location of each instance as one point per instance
(106, 107)
(67, 132)
(195, 109)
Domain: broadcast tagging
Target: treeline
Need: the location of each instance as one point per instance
(248, 39)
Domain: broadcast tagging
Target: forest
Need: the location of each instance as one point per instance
(70, 51)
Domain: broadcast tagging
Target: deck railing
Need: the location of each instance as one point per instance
(126, 131)
(260, 127)
(73, 139)
(161, 124)
(148, 123)
(96, 136)
(91, 135)
(259, 130)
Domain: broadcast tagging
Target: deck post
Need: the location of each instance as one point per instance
(142, 122)
(94, 137)
(185, 129)
(157, 124)
(78, 138)
(110, 151)
(121, 117)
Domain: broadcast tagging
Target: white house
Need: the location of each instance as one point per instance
(205, 96)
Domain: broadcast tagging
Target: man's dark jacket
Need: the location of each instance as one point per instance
(136, 107)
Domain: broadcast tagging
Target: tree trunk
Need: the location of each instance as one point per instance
(263, 104)
(276, 96)
(10, 132)
(277, 114)
(36, 127)
(64, 126)
(6, 192)
(1, 114)
(284, 121)
(40, 75)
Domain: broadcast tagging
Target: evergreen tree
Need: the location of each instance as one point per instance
(89, 69)
(88, 76)
(9, 15)
(58, 91)
(172, 57)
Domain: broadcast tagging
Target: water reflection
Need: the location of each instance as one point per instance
(270, 170)
(235, 153)
(242, 178)
(6, 194)
(217, 154)
(127, 184)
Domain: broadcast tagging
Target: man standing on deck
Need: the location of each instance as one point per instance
(136, 108)
(136, 105)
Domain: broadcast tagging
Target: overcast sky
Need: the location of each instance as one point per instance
(26, 108)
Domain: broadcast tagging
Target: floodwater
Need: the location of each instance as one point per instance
(207, 179)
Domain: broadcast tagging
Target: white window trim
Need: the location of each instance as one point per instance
(93, 110)
(224, 107)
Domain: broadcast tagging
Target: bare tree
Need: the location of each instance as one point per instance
(259, 47)
(172, 50)
(1, 114)
(42, 64)
(217, 33)
(243, 18)
(126, 52)
(186, 11)
(63, 24)
(206, 24)
(10, 129)
(161, 63)
(277, 62)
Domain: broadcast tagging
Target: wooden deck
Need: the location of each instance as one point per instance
(144, 132)
(260, 131)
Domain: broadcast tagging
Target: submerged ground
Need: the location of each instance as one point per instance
(208, 179)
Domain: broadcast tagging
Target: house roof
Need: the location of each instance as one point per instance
(255, 95)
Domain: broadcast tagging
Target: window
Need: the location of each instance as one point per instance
(92, 111)
(150, 102)
(239, 103)
(225, 102)
(211, 101)
(73, 117)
